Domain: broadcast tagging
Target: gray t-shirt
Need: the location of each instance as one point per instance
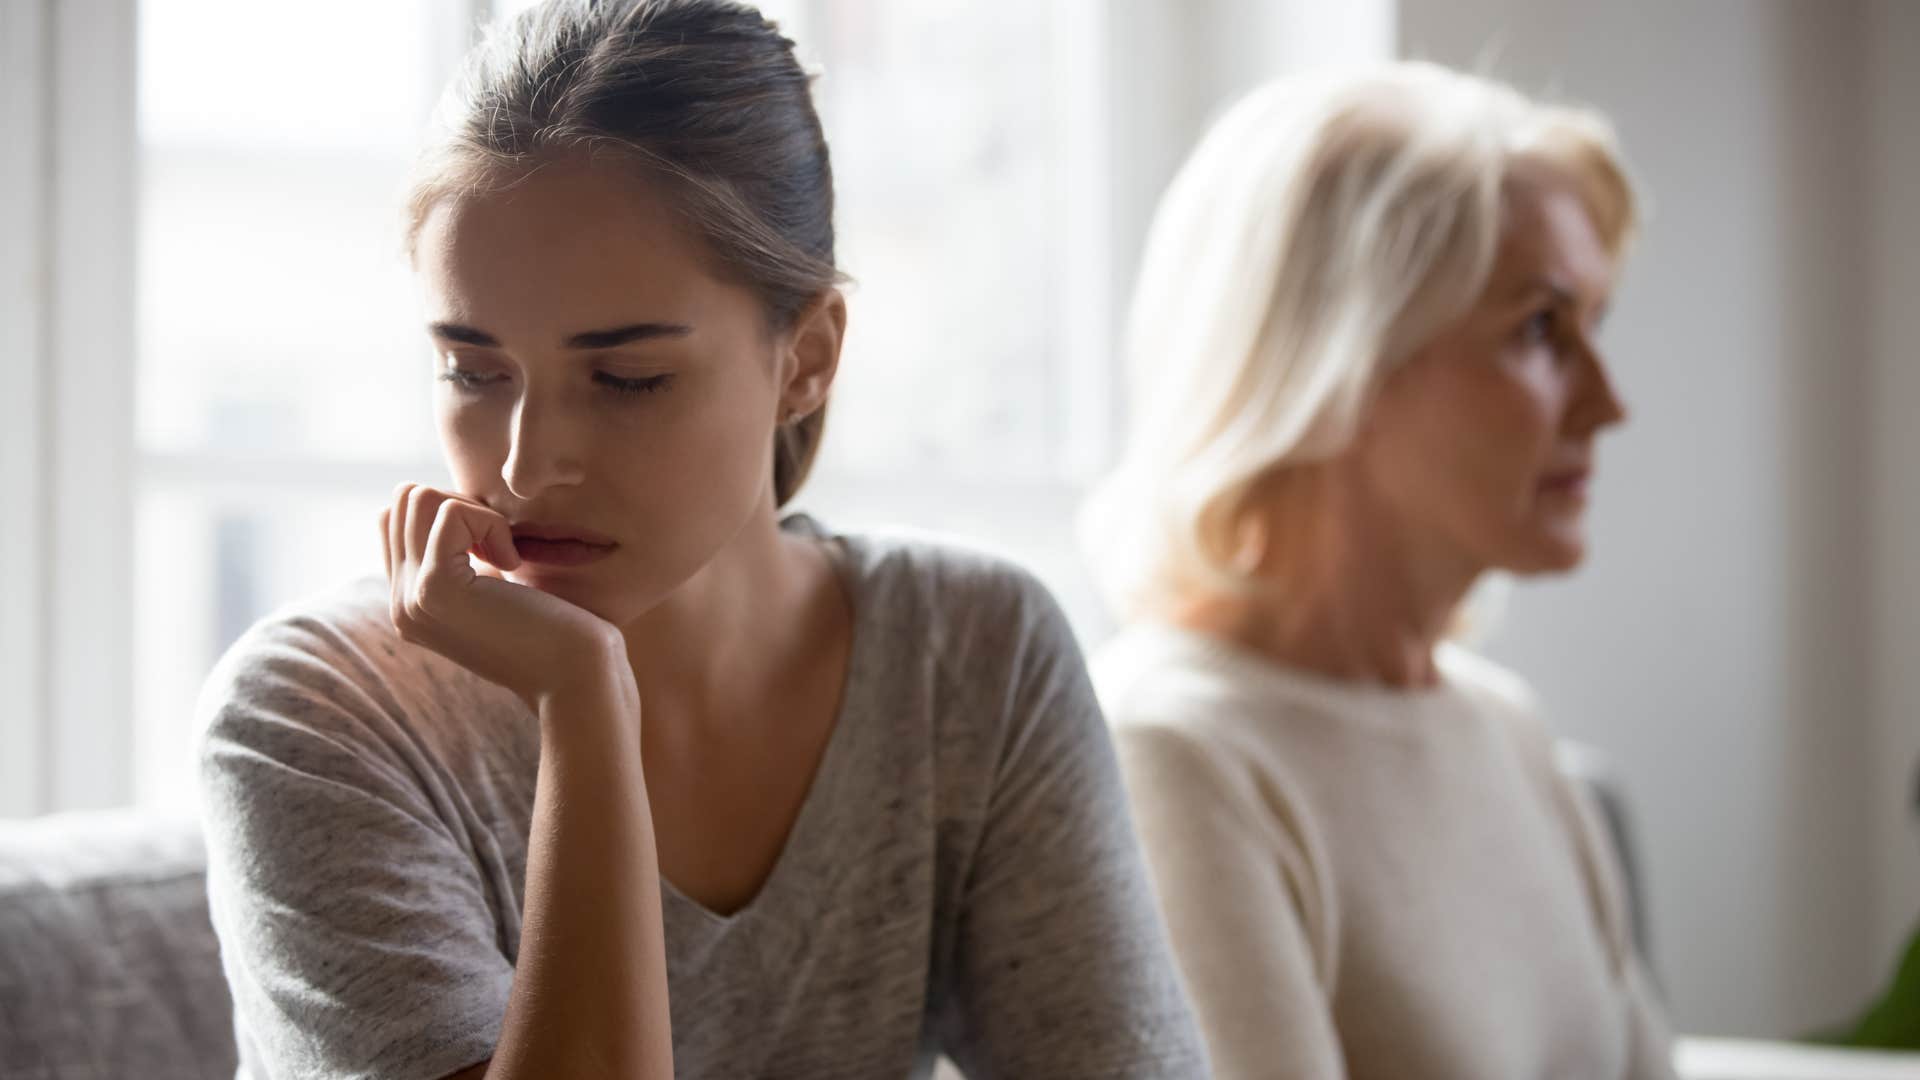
(961, 878)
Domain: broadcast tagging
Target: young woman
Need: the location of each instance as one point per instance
(1365, 360)
(611, 726)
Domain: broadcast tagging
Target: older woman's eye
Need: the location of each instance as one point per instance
(1540, 326)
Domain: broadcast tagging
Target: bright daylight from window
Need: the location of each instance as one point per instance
(283, 381)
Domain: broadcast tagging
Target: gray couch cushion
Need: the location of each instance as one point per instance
(108, 964)
(109, 968)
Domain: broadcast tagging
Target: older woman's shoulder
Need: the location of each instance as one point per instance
(1487, 682)
(1505, 699)
(1148, 673)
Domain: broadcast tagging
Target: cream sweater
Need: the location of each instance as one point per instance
(1371, 883)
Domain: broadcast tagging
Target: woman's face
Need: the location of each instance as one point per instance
(1482, 441)
(599, 386)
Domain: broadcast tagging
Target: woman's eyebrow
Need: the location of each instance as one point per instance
(626, 335)
(1537, 287)
(463, 335)
(586, 339)
(1537, 284)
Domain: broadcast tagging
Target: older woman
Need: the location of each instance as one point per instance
(1366, 373)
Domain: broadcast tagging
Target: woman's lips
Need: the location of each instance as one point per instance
(1571, 482)
(550, 545)
(560, 552)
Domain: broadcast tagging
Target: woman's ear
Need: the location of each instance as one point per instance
(813, 354)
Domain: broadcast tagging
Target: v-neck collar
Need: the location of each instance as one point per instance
(849, 563)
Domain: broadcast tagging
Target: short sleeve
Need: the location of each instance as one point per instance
(354, 927)
(1062, 966)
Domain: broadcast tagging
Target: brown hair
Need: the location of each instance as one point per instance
(704, 96)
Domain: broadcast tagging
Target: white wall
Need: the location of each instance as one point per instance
(1719, 643)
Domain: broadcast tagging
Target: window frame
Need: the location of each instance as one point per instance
(25, 37)
(68, 333)
(68, 88)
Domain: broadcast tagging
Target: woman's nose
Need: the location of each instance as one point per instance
(544, 450)
(1598, 405)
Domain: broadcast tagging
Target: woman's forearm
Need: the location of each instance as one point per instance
(590, 986)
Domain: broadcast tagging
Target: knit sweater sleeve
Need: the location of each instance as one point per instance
(1247, 912)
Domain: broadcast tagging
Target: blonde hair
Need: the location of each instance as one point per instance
(1324, 228)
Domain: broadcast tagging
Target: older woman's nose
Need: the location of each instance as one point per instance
(1597, 404)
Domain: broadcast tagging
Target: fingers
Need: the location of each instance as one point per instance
(396, 519)
(422, 504)
(444, 565)
(386, 544)
(393, 520)
(429, 534)
(407, 525)
(460, 527)
(488, 534)
(496, 542)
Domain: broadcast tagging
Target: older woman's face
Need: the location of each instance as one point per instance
(1483, 441)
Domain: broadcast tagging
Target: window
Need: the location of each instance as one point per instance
(212, 345)
(282, 381)
(282, 385)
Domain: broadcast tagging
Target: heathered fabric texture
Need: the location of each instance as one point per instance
(962, 877)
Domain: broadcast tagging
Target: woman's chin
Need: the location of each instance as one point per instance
(1556, 545)
(1555, 553)
(569, 587)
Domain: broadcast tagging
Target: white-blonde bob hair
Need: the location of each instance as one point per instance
(1323, 230)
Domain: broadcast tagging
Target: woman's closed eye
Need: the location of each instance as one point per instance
(475, 380)
(467, 379)
(623, 384)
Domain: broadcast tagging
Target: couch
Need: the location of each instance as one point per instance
(109, 968)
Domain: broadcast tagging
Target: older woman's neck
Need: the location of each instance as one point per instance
(1365, 604)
